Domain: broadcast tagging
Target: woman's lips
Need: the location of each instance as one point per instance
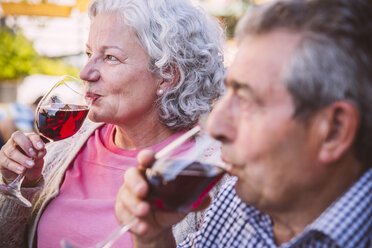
(91, 97)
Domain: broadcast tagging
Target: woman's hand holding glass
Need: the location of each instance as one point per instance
(21, 162)
(59, 115)
(23, 153)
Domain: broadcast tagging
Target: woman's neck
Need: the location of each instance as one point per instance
(137, 138)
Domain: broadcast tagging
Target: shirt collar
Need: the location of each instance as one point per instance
(349, 219)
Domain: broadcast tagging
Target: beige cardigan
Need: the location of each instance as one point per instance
(18, 224)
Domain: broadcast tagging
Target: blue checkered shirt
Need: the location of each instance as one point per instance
(231, 223)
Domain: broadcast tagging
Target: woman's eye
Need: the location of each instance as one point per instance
(111, 58)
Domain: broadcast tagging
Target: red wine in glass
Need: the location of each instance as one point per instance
(59, 121)
(178, 190)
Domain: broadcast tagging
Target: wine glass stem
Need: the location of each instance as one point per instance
(17, 182)
(112, 237)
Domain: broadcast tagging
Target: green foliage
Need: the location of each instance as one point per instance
(16, 54)
(18, 58)
(49, 66)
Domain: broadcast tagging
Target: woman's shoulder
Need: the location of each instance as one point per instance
(89, 126)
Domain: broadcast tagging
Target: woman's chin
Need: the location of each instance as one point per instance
(93, 116)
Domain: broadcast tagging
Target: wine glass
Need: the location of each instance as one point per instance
(59, 115)
(179, 181)
(185, 174)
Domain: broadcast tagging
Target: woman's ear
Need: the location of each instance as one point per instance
(338, 127)
(175, 76)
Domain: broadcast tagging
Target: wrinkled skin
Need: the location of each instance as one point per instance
(22, 153)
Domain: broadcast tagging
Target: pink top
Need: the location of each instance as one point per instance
(83, 212)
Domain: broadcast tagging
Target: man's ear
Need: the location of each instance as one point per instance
(338, 127)
(175, 76)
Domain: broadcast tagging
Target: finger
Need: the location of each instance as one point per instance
(127, 206)
(41, 154)
(133, 192)
(24, 143)
(135, 182)
(12, 167)
(12, 153)
(141, 227)
(36, 141)
(146, 158)
(156, 222)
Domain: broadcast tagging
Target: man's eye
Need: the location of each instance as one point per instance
(243, 96)
(89, 54)
(246, 100)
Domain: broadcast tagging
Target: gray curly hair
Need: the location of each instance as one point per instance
(177, 36)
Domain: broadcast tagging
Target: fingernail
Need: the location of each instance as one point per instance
(39, 145)
(138, 189)
(30, 162)
(20, 169)
(32, 151)
(140, 227)
(141, 209)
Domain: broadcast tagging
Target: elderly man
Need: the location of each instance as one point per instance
(296, 132)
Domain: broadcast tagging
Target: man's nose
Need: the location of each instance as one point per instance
(221, 121)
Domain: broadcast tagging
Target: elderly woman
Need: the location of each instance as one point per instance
(154, 69)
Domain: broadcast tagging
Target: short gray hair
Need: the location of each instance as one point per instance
(333, 60)
(177, 36)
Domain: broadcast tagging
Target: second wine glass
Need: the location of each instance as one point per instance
(59, 115)
(180, 180)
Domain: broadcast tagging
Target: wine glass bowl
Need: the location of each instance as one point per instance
(180, 181)
(62, 111)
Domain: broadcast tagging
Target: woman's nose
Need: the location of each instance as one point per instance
(221, 121)
(90, 72)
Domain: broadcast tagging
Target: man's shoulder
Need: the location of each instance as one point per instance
(348, 220)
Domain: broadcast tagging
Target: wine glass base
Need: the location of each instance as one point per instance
(66, 244)
(15, 195)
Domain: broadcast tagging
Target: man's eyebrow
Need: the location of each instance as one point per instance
(235, 85)
(238, 86)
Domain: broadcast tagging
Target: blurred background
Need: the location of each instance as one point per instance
(41, 40)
